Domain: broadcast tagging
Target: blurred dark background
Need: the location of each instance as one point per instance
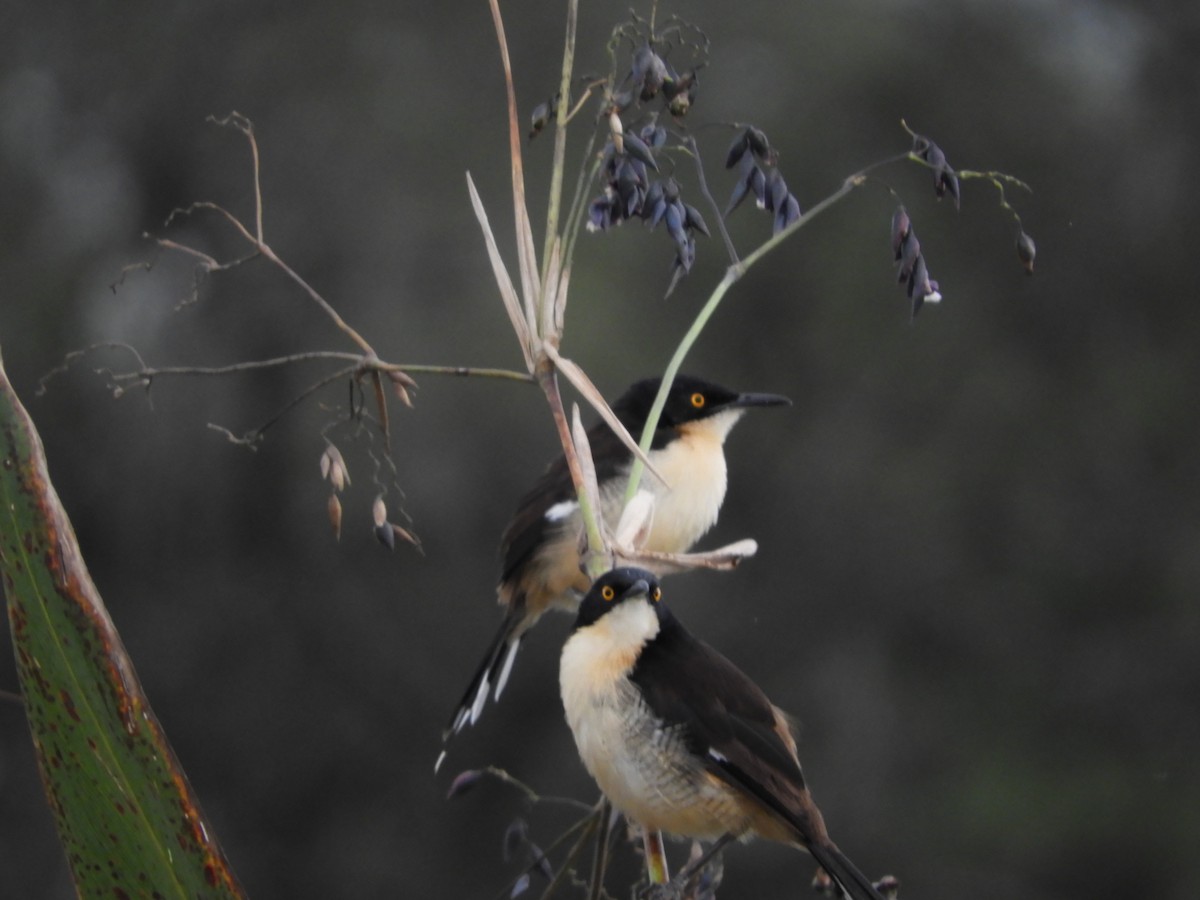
(979, 532)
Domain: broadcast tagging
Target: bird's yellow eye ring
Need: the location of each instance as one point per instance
(607, 592)
(656, 594)
(697, 400)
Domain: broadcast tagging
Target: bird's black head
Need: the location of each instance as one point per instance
(615, 587)
(689, 400)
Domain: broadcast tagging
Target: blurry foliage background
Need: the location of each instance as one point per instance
(979, 534)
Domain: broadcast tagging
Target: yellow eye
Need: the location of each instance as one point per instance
(697, 400)
(656, 594)
(607, 592)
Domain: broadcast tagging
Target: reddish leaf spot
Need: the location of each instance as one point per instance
(210, 874)
(68, 704)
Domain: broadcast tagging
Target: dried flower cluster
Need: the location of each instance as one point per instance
(1026, 250)
(333, 470)
(626, 163)
(751, 154)
(910, 262)
(652, 75)
(945, 179)
(628, 157)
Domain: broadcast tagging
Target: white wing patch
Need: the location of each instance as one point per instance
(564, 509)
(509, 657)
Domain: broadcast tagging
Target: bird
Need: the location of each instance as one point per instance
(540, 547)
(677, 737)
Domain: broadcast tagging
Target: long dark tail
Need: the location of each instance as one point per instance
(853, 882)
(494, 669)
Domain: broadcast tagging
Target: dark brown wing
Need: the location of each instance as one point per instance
(729, 722)
(528, 528)
(727, 718)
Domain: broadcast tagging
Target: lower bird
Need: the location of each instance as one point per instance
(541, 545)
(677, 737)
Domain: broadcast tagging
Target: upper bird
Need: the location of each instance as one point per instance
(540, 546)
(677, 737)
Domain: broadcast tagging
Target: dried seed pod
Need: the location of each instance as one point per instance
(616, 131)
(334, 508)
(737, 149)
(636, 148)
(680, 91)
(674, 221)
(333, 468)
(889, 886)
(649, 71)
(901, 226)
(692, 219)
(379, 511)
(654, 135)
(921, 288)
(948, 184)
(654, 204)
(758, 143)
(777, 191)
(910, 252)
(945, 179)
(681, 103)
(787, 212)
(758, 184)
(1026, 251)
(743, 186)
(622, 101)
(404, 534)
(385, 535)
(463, 782)
(516, 836)
(600, 213)
(631, 188)
(541, 864)
(543, 114)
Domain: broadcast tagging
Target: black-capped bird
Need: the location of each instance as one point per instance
(677, 737)
(540, 547)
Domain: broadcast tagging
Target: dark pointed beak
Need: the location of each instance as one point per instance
(745, 401)
(639, 587)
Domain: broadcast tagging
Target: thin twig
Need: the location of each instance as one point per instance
(145, 373)
(720, 218)
(600, 860)
(254, 435)
(562, 117)
(316, 298)
(532, 796)
(590, 824)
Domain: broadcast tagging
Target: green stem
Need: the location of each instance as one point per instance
(560, 140)
(733, 274)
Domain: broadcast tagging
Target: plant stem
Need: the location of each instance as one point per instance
(733, 274)
(548, 379)
(560, 135)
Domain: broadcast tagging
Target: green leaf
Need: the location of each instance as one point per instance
(127, 817)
